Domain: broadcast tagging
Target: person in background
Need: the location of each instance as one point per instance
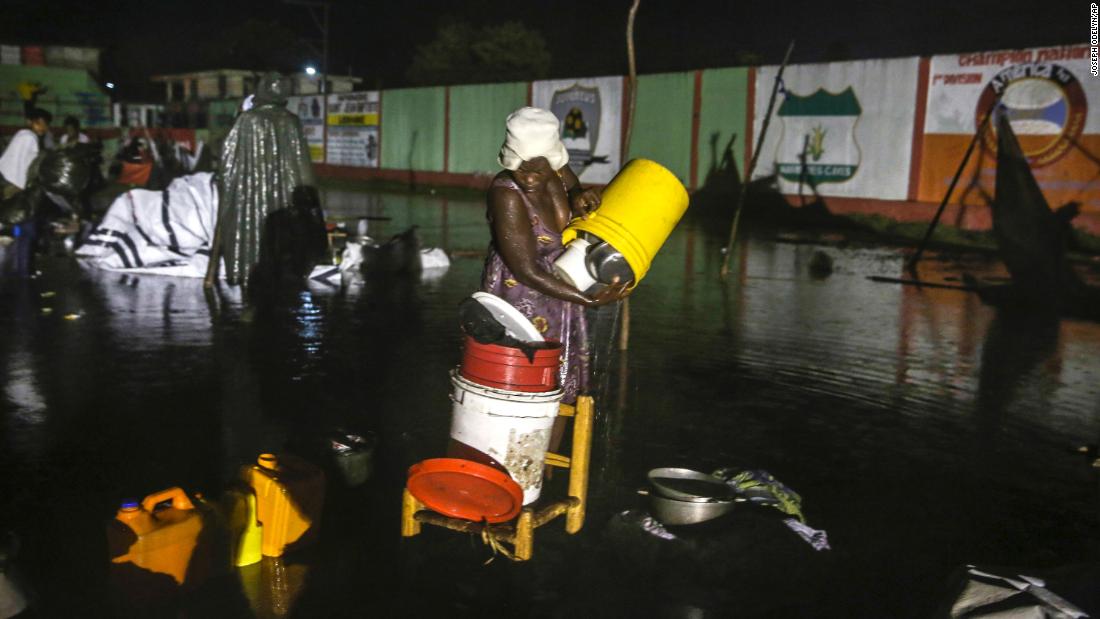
(264, 160)
(72, 134)
(136, 164)
(45, 207)
(22, 150)
(28, 92)
(529, 204)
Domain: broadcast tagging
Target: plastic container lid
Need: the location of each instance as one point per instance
(515, 323)
(465, 489)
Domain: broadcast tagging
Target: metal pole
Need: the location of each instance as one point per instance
(324, 91)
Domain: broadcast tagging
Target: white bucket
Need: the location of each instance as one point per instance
(511, 427)
(572, 267)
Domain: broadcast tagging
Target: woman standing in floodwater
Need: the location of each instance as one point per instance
(530, 202)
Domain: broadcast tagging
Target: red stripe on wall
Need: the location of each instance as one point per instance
(917, 152)
(696, 108)
(750, 111)
(446, 128)
(381, 97)
(440, 179)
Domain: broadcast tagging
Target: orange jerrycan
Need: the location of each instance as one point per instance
(162, 532)
(290, 494)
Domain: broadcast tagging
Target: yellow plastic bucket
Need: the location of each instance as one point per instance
(637, 213)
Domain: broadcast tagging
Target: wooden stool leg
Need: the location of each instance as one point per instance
(578, 462)
(409, 507)
(525, 534)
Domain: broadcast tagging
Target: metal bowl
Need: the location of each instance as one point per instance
(606, 264)
(688, 485)
(673, 512)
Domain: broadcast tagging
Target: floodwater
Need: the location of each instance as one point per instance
(923, 431)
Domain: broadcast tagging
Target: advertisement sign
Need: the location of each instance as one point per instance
(844, 128)
(309, 109)
(353, 129)
(1052, 103)
(590, 112)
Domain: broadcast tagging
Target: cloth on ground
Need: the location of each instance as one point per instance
(817, 538)
(763, 486)
(167, 232)
(647, 523)
(986, 594)
(434, 262)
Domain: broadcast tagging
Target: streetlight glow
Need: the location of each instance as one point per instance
(311, 71)
(110, 84)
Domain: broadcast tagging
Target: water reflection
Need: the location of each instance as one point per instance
(868, 398)
(149, 311)
(1020, 368)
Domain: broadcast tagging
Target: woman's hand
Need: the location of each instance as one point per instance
(610, 294)
(584, 202)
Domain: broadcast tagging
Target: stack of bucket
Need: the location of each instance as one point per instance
(505, 403)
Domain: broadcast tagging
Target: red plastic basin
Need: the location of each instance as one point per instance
(501, 367)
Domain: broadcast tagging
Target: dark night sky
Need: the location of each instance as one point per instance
(585, 37)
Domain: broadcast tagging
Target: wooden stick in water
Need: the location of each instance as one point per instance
(215, 256)
(912, 265)
(624, 330)
(752, 164)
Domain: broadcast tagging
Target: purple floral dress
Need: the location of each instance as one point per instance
(557, 320)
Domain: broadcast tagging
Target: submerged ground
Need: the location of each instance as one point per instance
(923, 430)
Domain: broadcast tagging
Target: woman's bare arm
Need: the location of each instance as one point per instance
(581, 201)
(518, 247)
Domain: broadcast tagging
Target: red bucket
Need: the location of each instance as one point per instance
(501, 367)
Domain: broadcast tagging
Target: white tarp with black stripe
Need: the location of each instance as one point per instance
(166, 232)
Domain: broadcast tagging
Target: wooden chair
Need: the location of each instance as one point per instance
(521, 532)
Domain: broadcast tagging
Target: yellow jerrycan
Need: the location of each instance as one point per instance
(246, 533)
(290, 494)
(638, 211)
(165, 529)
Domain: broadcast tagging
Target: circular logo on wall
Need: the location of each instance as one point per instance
(1045, 105)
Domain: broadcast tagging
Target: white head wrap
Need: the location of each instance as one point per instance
(532, 132)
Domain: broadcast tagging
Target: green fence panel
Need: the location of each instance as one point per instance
(477, 124)
(662, 121)
(413, 129)
(69, 92)
(724, 105)
(221, 114)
